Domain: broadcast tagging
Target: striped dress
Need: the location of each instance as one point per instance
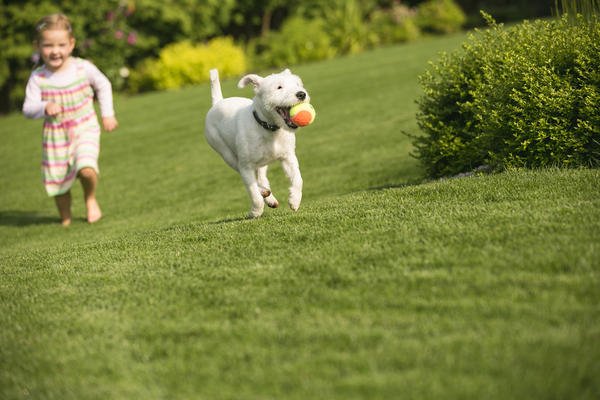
(70, 140)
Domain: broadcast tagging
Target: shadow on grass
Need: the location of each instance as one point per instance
(228, 220)
(25, 218)
(409, 183)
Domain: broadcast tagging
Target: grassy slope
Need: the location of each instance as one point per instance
(475, 288)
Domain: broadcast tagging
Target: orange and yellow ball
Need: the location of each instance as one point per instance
(302, 114)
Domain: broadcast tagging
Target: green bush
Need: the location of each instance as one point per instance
(346, 26)
(298, 41)
(317, 30)
(440, 16)
(394, 25)
(521, 97)
(114, 34)
(184, 63)
(17, 33)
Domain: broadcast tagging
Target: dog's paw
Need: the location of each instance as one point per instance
(270, 200)
(294, 201)
(253, 215)
(255, 212)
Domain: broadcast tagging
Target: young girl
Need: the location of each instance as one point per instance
(62, 92)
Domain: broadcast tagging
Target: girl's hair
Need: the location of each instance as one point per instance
(53, 22)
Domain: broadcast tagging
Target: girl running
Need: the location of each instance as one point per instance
(62, 92)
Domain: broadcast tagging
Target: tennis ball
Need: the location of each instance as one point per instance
(302, 114)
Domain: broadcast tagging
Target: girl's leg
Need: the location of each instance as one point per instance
(63, 203)
(89, 181)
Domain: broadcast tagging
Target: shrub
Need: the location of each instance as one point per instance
(347, 28)
(318, 30)
(440, 16)
(114, 34)
(184, 63)
(394, 25)
(521, 97)
(298, 41)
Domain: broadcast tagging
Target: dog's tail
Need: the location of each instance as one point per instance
(215, 87)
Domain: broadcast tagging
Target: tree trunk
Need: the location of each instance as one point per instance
(266, 22)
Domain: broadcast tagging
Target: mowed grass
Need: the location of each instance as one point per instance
(380, 286)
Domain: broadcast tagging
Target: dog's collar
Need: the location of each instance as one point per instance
(264, 124)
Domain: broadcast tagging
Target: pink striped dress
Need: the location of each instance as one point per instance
(71, 140)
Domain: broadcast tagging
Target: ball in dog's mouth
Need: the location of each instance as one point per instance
(285, 114)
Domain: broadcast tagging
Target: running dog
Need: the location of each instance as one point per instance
(251, 133)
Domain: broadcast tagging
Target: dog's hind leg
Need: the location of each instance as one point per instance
(229, 158)
(265, 187)
(219, 145)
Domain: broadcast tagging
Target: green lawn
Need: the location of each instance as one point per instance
(380, 286)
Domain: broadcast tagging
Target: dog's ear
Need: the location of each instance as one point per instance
(252, 78)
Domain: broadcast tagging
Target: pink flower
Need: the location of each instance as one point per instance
(110, 16)
(132, 38)
(119, 34)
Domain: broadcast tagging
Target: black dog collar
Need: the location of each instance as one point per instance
(264, 124)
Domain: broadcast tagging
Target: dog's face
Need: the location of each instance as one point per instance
(277, 93)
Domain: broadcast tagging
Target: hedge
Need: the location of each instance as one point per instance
(524, 96)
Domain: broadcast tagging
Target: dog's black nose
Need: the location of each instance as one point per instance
(301, 95)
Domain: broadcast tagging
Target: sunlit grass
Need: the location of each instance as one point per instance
(380, 286)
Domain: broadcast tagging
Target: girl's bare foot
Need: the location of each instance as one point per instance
(63, 203)
(93, 211)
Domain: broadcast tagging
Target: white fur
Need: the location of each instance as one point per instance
(246, 146)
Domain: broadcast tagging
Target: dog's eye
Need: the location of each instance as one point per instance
(279, 87)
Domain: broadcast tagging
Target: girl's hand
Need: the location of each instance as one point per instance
(53, 109)
(109, 123)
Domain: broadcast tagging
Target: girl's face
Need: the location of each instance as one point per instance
(55, 47)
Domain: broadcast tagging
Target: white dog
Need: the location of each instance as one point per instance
(250, 134)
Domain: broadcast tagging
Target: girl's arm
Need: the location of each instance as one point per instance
(103, 90)
(102, 87)
(34, 107)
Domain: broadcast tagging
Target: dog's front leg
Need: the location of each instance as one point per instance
(292, 171)
(265, 187)
(249, 178)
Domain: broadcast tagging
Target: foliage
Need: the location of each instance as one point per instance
(323, 29)
(525, 96)
(298, 41)
(165, 22)
(310, 9)
(345, 25)
(17, 23)
(114, 34)
(589, 9)
(394, 25)
(118, 35)
(341, 24)
(102, 29)
(107, 38)
(183, 63)
(440, 16)
(505, 10)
